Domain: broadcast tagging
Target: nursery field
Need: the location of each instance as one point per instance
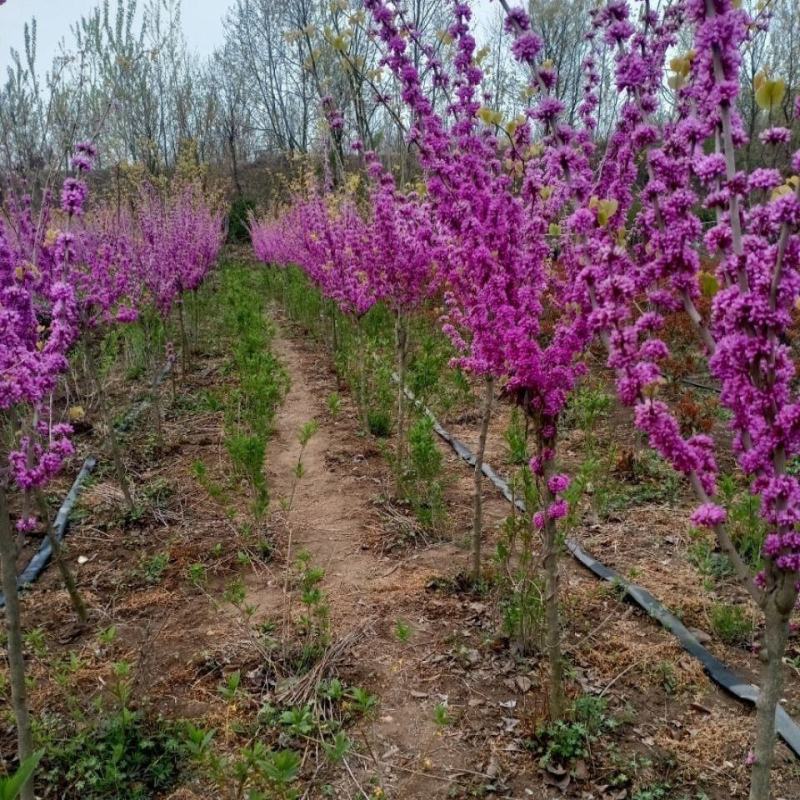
(332, 644)
(401, 401)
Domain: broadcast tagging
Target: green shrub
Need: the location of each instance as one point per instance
(238, 231)
(379, 421)
(122, 755)
(422, 482)
(731, 623)
(516, 439)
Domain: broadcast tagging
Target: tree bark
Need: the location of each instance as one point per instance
(550, 546)
(775, 635)
(16, 662)
(477, 491)
(401, 345)
(58, 556)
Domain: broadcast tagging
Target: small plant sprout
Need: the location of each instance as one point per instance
(362, 701)
(334, 404)
(441, 715)
(197, 575)
(338, 747)
(402, 631)
(107, 636)
(235, 592)
(229, 688)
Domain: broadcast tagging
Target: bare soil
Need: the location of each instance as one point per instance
(673, 728)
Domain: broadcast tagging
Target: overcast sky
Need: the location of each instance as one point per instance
(202, 24)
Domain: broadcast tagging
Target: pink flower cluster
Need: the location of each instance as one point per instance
(174, 243)
(547, 250)
(354, 258)
(64, 275)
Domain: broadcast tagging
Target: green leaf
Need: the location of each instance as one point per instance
(605, 210)
(11, 787)
(709, 285)
(770, 93)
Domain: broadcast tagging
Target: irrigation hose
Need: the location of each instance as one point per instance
(41, 558)
(721, 674)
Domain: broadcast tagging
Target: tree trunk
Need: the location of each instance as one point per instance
(116, 455)
(550, 547)
(16, 662)
(401, 345)
(776, 635)
(477, 492)
(235, 166)
(58, 556)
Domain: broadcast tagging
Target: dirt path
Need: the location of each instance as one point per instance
(460, 712)
(335, 516)
(455, 659)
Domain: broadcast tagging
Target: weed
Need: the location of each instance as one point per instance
(214, 489)
(334, 404)
(379, 421)
(298, 721)
(11, 786)
(247, 453)
(402, 631)
(441, 716)
(229, 688)
(197, 575)
(362, 701)
(153, 568)
(522, 603)
(564, 741)
(338, 748)
(586, 407)
(747, 528)
(516, 436)
(658, 791)
(702, 555)
(259, 773)
(107, 636)
(332, 690)
(731, 623)
(665, 672)
(422, 481)
(315, 621)
(35, 641)
(235, 592)
(158, 491)
(123, 754)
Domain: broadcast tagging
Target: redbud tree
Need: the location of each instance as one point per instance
(509, 312)
(626, 268)
(636, 266)
(38, 325)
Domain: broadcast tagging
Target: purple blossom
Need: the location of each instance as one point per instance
(527, 47)
(73, 196)
(775, 136)
(558, 510)
(27, 524)
(517, 20)
(709, 515)
(558, 484)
